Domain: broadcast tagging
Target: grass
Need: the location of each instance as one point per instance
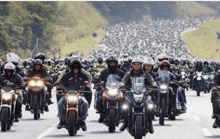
(75, 27)
(84, 44)
(203, 40)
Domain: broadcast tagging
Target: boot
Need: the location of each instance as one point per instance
(215, 125)
(124, 125)
(27, 108)
(60, 125)
(46, 108)
(101, 119)
(83, 125)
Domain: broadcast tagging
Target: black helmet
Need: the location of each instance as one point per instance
(25, 63)
(112, 58)
(100, 60)
(38, 62)
(40, 56)
(75, 63)
(165, 63)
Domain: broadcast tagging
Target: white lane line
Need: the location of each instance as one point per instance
(206, 132)
(47, 131)
(196, 118)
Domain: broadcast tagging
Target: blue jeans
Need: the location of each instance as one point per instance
(61, 109)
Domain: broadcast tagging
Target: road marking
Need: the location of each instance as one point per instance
(196, 118)
(47, 131)
(206, 132)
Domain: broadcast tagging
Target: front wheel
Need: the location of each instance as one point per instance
(162, 112)
(71, 123)
(138, 127)
(4, 119)
(111, 121)
(36, 114)
(198, 93)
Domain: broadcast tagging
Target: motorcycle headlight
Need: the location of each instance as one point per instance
(163, 86)
(32, 83)
(206, 77)
(124, 107)
(199, 78)
(150, 106)
(72, 98)
(6, 96)
(199, 74)
(39, 83)
(138, 98)
(113, 92)
(182, 73)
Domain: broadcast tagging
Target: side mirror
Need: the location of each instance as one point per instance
(25, 79)
(187, 80)
(86, 82)
(121, 84)
(56, 83)
(5, 81)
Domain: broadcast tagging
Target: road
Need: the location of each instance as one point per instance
(196, 123)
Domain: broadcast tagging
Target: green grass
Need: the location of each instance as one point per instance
(202, 40)
(84, 44)
(75, 27)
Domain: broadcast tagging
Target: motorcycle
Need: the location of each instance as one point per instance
(198, 85)
(138, 108)
(111, 102)
(8, 103)
(165, 106)
(73, 109)
(36, 91)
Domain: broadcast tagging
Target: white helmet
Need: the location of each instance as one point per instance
(136, 60)
(13, 58)
(9, 67)
(148, 61)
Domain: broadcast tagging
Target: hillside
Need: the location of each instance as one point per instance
(203, 40)
(116, 12)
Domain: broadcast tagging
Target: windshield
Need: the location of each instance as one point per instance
(138, 85)
(113, 81)
(165, 75)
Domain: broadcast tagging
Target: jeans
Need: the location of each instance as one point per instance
(61, 109)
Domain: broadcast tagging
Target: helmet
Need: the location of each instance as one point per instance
(75, 63)
(38, 62)
(25, 63)
(13, 58)
(148, 61)
(9, 67)
(136, 60)
(100, 60)
(49, 62)
(111, 58)
(165, 63)
(206, 62)
(40, 56)
(45, 61)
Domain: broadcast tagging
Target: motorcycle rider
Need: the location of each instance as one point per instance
(127, 80)
(148, 65)
(9, 73)
(100, 65)
(38, 69)
(125, 65)
(112, 64)
(42, 57)
(88, 96)
(73, 80)
(206, 68)
(215, 98)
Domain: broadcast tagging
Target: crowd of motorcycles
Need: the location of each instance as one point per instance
(152, 42)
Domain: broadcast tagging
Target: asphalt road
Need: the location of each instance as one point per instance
(196, 123)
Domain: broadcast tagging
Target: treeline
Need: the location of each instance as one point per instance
(21, 23)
